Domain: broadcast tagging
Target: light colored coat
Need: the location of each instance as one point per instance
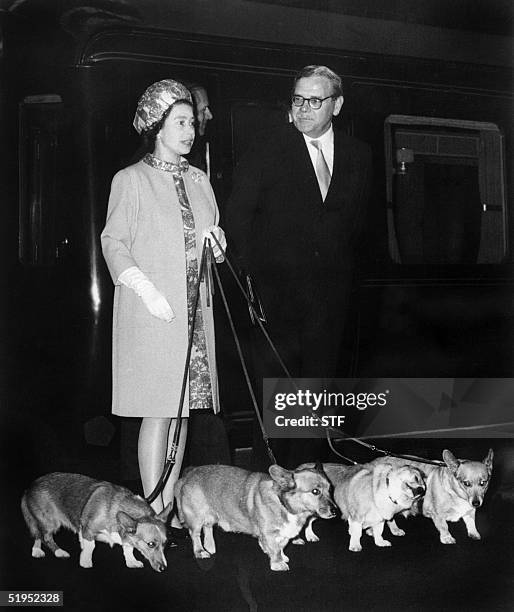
(144, 229)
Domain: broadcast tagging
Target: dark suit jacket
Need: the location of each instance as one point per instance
(275, 217)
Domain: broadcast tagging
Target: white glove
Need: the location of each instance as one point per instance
(220, 236)
(153, 299)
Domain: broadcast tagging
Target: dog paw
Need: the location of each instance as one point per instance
(134, 564)
(398, 532)
(312, 537)
(279, 566)
(447, 539)
(37, 553)
(62, 554)
(355, 547)
(475, 535)
(369, 531)
(86, 563)
(383, 543)
(202, 554)
(299, 541)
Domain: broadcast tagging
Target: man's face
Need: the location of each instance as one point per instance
(203, 112)
(311, 122)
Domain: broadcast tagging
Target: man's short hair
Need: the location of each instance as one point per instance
(195, 87)
(321, 71)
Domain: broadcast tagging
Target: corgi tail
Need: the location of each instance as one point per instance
(30, 520)
(178, 503)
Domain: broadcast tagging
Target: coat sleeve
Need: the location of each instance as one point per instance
(118, 234)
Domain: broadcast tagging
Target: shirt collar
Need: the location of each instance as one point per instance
(326, 139)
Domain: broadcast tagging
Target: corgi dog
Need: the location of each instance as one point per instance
(369, 495)
(97, 511)
(455, 491)
(271, 507)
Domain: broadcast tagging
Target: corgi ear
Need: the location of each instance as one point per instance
(318, 466)
(163, 514)
(284, 478)
(127, 522)
(489, 461)
(450, 460)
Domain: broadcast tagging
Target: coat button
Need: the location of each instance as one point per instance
(316, 253)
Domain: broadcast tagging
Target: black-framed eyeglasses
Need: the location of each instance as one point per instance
(314, 103)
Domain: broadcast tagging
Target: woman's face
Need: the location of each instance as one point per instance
(177, 134)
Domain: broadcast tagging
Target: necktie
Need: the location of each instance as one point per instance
(322, 171)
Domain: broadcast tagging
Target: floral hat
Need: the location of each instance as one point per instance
(155, 102)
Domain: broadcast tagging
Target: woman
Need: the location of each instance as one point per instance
(160, 210)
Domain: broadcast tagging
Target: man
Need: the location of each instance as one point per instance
(294, 217)
(203, 111)
(200, 152)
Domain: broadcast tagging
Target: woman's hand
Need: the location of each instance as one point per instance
(153, 299)
(220, 237)
(157, 304)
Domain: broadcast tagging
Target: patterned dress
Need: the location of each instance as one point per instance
(200, 387)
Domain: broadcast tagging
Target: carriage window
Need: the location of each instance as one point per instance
(40, 120)
(445, 191)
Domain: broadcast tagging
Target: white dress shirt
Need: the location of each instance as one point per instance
(327, 146)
